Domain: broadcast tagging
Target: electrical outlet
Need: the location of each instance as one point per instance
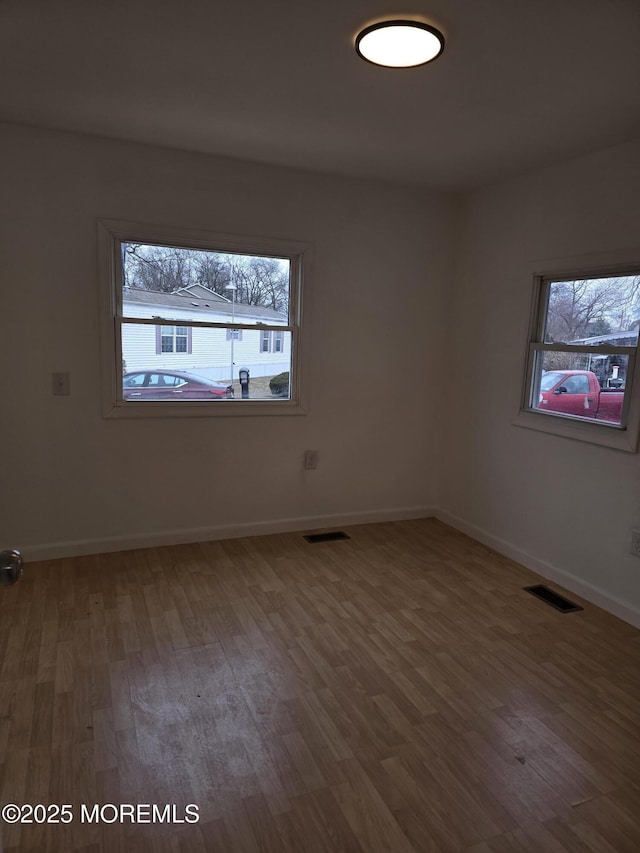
(60, 384)
(635, 543)
(310, 460)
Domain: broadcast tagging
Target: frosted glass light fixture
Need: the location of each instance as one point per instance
(399, 44)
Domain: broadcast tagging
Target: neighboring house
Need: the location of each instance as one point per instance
(625, 339)
(611, 370)
(206, 352)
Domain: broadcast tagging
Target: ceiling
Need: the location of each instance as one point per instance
(521, 83)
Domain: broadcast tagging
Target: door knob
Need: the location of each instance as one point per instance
(10, 567)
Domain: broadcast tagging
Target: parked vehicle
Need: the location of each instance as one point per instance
(578, 393)
(172, 385)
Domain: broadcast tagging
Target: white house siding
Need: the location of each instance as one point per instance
(211, 351)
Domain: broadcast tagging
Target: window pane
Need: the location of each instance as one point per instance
(134, 379)
(210, 360)
(177, 283)
(594, 311)
(590, 387)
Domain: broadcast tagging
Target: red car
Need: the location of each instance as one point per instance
(172, 385)
(578, 393)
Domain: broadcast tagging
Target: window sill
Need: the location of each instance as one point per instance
(217, 409)
(603, 434)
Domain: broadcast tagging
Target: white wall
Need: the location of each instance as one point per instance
(381, 293)
(75, 482)
(559, 505)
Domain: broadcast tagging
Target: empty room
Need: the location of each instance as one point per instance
(320, 518)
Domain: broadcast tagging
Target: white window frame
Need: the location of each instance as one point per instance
(111, 234)
(174, 338)
(619, 437)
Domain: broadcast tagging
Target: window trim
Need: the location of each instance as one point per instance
(623, 437)
(111, 233)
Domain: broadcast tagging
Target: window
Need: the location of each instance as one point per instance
(162, 380)
(134, 380)
(581, 362)
(272, 342)
(183, 312)
(173, 339)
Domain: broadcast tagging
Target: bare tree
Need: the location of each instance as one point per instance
(589, 307)
(261, 281)
(163, 269)
(213, 271)
(627, 316)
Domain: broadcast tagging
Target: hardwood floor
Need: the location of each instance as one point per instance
(394, 692)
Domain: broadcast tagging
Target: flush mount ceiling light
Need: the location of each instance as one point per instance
(399, 44)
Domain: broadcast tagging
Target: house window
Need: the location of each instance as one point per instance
(581, 365)
(272, 342)
(173, 339)
(201, 306)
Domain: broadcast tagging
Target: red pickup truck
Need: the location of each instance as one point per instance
(578, 393)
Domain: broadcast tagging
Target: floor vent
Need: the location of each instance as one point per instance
(326, 537)
(558, 601)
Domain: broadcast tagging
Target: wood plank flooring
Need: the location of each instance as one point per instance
(394, 692)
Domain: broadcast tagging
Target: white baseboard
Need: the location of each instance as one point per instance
(585, 590)
(127, 542)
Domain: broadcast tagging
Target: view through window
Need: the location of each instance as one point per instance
(204, 325)
(583, 351)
